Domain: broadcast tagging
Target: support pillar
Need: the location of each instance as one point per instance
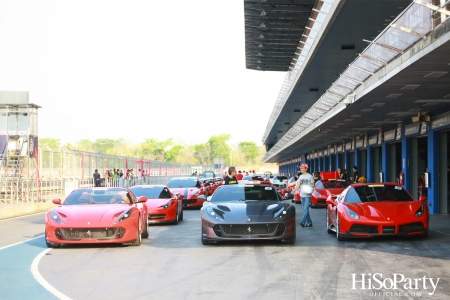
(433, 169)
(385, 161)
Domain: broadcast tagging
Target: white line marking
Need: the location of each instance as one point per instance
(21, 242)
(41, 280)
(29, 215)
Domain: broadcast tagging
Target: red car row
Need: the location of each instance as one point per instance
(121, 215)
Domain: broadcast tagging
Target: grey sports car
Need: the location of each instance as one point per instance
(247, 212)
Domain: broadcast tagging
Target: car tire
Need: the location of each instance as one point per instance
(50, 245)
(328, 224)
(181, 215)
(292, 239)
(144, 234)
(339, 236)
(177, 218)
(139, 237)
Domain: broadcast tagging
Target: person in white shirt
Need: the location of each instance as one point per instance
(306, 185)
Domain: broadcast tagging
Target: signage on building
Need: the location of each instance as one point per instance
(332, 150)
(411, 129)
(373, 140)
(440, 120)
(359, 143)
(349, 146)
(390, 135)
(423, 128)
(339, 148)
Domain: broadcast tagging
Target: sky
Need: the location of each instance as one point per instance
(135, 69)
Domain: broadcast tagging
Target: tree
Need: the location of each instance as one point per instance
(219, 146)
(105, 146)
(249, 151)
(152, 148)
(202, 153)
(173, 152)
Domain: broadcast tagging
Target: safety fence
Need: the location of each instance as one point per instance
(56, 172)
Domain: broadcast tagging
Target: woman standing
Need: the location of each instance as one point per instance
(306, 185)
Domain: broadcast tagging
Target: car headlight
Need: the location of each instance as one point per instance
(420, 211)
(215, 213)
(124, 216)
(167, 204)
(351, 213)
(55, 217)
(279, 213)
(317, 194)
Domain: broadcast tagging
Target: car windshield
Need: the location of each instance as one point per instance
(260, 178)
(280, 178)
(245, 192)
(377, 193)
(151, 192)
(182, 183)
(98, 196)
(333, 184)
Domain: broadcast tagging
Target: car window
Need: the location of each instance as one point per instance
(103, 196)
(335, 184)
(250, 192)
(377, 193)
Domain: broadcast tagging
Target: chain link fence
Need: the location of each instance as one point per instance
(56, 172)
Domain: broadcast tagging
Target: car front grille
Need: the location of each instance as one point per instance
(155, 217)
(239, 230)
(86, 233)
(359, 228)
(321, 202)
(388, 229)
(411, 227)
(186, 202)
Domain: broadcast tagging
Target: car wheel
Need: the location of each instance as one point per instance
(328, 224)
(139, 237)
(177, 217)
(181, 215)
(144, 234)
(292, 239)
(338, 234)
(50, 245)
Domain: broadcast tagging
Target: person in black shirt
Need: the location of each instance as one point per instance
(231, 177)
(355, 174)
(96, 178)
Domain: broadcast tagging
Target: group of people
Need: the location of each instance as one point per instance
(239, 174)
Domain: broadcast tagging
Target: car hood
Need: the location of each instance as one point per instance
(385, 210)
(156, 203)
(95, 214)
(248, 211)
(333, 191)
(185, 192)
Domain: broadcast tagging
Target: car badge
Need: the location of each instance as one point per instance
(89, 223)
(249, 230)
(88, 233)
(388, 219)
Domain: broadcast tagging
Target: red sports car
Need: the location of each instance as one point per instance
(97, 215)
(188, 187)
(325, 188)
(162, 205)
(376, 209)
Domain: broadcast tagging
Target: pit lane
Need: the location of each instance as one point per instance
(173, 264)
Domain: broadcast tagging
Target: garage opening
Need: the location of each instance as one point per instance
(362, 163)
(418, 166)
(376, 163)
(394, 162)
(444, 174)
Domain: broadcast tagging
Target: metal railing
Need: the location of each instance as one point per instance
(56, 172)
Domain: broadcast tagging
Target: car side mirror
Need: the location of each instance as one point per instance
(201, 198)
(56, 201)
(423, 198)
(142, 199)
(330, 201)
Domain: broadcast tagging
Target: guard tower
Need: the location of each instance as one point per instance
(18, 140)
